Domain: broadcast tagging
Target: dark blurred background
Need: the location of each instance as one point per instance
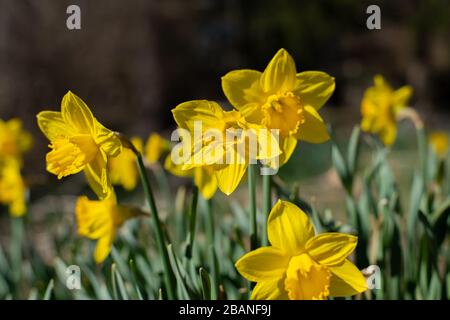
(133, 61)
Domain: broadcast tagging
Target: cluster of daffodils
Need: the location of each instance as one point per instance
(271, 111)
(14, 142)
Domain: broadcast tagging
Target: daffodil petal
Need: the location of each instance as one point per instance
(103, 247)
(313, 130)
(270, 290)
(229, 176)
(289, 228)
(77, 114)
(287, 146)
(265, 263)
(52, 125)
(331, 248)
(314, 88)
(388, 134)
(97, 176)
(203, 111)
(280, 73)
(176, 169)
(401, 96)
(346, 280)
(205, 180)
(242, 87)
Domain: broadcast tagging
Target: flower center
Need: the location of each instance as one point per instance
(283, 112)
(306, 279)
(70, 155)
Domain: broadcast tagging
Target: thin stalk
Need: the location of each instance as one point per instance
(267, 204)
(169, 277)
(192, 223)
(209, 225)
(252, 198)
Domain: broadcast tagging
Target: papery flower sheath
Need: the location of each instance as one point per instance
(79, 142)
(380, 107)
(280, 98)
(300, 265)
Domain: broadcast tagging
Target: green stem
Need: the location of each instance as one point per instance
(252, 208)
(267, 204)
(192, 223)
(209, 225)
(168, 272)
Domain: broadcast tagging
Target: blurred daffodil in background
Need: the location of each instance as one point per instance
(155, 147)
(380, 108)
(14, 141)
(12, 187)
(299, 264)
(280, 98)
(79, 142)
(100, 220)
(439, 141)
(123, 168)
(204, 177)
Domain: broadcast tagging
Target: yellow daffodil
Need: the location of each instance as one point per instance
(227, 158)
(380, 107)
(439, 141)
(123, 169)
(12, 187)
(155, 147)
(100, 220)
(79, 142)
(204, 177)
(280, 98)
(300, 264)
(14, 141)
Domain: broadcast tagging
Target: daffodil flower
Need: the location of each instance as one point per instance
(100, 220)
(300, 264)
(14, 141)
(280, 98)
(439, 141)
(155, 147)
(204, 177)
(228, 158)
(123, 169)
(79, 142)
(12, 187)
(380, 107)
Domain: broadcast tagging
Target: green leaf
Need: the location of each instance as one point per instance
(206, 284)
(353, 150)
(49, 290)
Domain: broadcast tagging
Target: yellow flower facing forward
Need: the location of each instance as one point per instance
(12, 187)
(100, 220)
(204, 177)
(210, 145)
(280, 98)
(155, 147)
(380, 107)
(439, 142)
(14, 141)
(299, 264)
(79, 142)
(123, 168)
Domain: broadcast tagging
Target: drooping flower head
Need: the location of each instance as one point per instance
(12, 187)
(100, 220)
(380, 107)
(300, 264)
(155, 147)
(220, 140)
(123, 168)
(204, 177)
(79, 143)
(14, 141)
(280, 98)
(439, 141)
